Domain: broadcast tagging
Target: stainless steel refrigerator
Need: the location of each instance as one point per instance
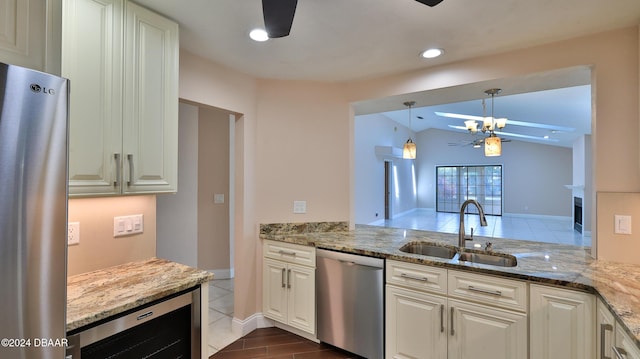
(33, 213)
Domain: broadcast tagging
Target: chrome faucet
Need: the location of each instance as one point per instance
(483, 221)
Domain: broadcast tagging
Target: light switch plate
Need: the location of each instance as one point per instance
(299, 206)
(622, 224)
(128, 225)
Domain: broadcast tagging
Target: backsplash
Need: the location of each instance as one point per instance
(309, 227)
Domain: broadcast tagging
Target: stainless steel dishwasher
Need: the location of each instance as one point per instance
(350, 302)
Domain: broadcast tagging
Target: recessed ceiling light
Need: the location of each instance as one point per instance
(432, 53)
(259, 35)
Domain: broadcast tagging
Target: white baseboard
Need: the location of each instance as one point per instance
(243, 327)
(222, 273)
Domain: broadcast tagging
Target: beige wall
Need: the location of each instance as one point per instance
(609, 205)
(98, 249)
(302, 151)
(177, 214)
(294, 140)
(213, 178)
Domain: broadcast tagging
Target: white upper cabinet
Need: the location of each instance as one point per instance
(30, 34)
(150, 126)
(122, 60)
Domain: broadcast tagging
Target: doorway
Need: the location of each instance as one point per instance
(195, 225)
(388, 183)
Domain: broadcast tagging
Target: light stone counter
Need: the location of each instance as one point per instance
(101, 294)
(560, 265)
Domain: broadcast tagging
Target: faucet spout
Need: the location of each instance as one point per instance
(483, 221)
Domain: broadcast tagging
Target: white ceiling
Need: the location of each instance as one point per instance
(345, 40)
(337, 40)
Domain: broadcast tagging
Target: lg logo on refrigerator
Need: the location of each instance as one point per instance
(39, 89)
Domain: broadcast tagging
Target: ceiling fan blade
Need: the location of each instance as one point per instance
(509, 122)
(431, 3)
(278, 16)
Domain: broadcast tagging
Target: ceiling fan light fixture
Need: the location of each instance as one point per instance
(432, 53)
(471, 125)
(487, 124)
(501, 122)
(492, 146)
(259, 35)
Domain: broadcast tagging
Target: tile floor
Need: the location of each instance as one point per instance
(533, 228)
(220, 314)
(277, 343)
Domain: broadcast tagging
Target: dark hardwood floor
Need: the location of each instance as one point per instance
(276, 343)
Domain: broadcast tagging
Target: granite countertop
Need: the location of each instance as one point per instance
(100, 294)
(551, 264)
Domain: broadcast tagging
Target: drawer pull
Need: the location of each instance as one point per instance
(603, 329)
(497, 293)
(287, 253)
(408, 276)
(619, 352)
(145, 315)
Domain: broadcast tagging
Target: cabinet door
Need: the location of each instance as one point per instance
(150, 119)
(23, 33)
(301, 283)
(91, 59)
(482, 332)
(605, 331)
(415, 324)
(625, 345)
(562, 323)
(274, 296)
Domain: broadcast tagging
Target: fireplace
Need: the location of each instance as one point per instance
(577, 214)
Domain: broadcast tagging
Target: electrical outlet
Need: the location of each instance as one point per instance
(73, 233)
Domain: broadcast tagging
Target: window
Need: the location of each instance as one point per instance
(456, 184)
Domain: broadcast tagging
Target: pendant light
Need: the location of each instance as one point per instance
(409, 149)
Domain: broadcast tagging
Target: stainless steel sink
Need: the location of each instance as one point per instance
(502, 260)
(429, 249)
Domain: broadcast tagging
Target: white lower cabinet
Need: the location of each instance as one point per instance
(289, 295)
(479, 331)
(562, 323)
(613, 342)
(415, 324)
(447, 324)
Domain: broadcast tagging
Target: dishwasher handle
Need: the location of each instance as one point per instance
(351, 259)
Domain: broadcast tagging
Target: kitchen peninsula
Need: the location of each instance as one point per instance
(617, 285)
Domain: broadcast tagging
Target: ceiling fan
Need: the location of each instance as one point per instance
(278, 15)
(477, 143)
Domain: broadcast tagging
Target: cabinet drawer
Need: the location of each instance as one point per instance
(507, 293)
(417, 276)
(290, 253)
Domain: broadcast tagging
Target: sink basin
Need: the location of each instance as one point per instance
(502, 260)
(429, 249)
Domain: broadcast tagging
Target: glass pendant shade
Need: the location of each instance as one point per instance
(492, 146)
(409, 150)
